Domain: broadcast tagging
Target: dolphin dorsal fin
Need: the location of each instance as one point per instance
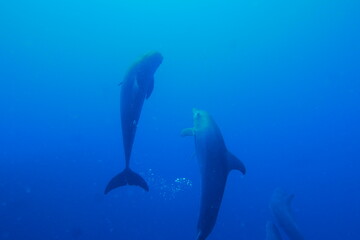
(235, 163)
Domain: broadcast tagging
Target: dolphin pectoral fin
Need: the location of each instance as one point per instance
(145, 83)
(187, 132)
(272, 232)
(200, 236)
(151, 87)
(289, 200)
(126, 177)
(235, 163)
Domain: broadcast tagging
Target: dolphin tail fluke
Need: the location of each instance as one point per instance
(126, 177)
(235, 163)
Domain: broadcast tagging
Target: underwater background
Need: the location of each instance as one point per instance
(281, 79)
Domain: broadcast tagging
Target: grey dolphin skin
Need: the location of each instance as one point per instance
(137, 86)
(215, 164)
(272, 232)
(280, 205)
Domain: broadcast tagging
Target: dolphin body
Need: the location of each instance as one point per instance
(272, 232)
(280, 204)
(215, 164)
(137, 86)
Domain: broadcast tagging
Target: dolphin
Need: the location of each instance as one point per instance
(137, 86)
(215, 164)
(272, 232)
(280, 205)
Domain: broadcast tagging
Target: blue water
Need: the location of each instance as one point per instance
(281, 78)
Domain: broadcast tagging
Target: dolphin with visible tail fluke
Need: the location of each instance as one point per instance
(137, 86)
(215, 164)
